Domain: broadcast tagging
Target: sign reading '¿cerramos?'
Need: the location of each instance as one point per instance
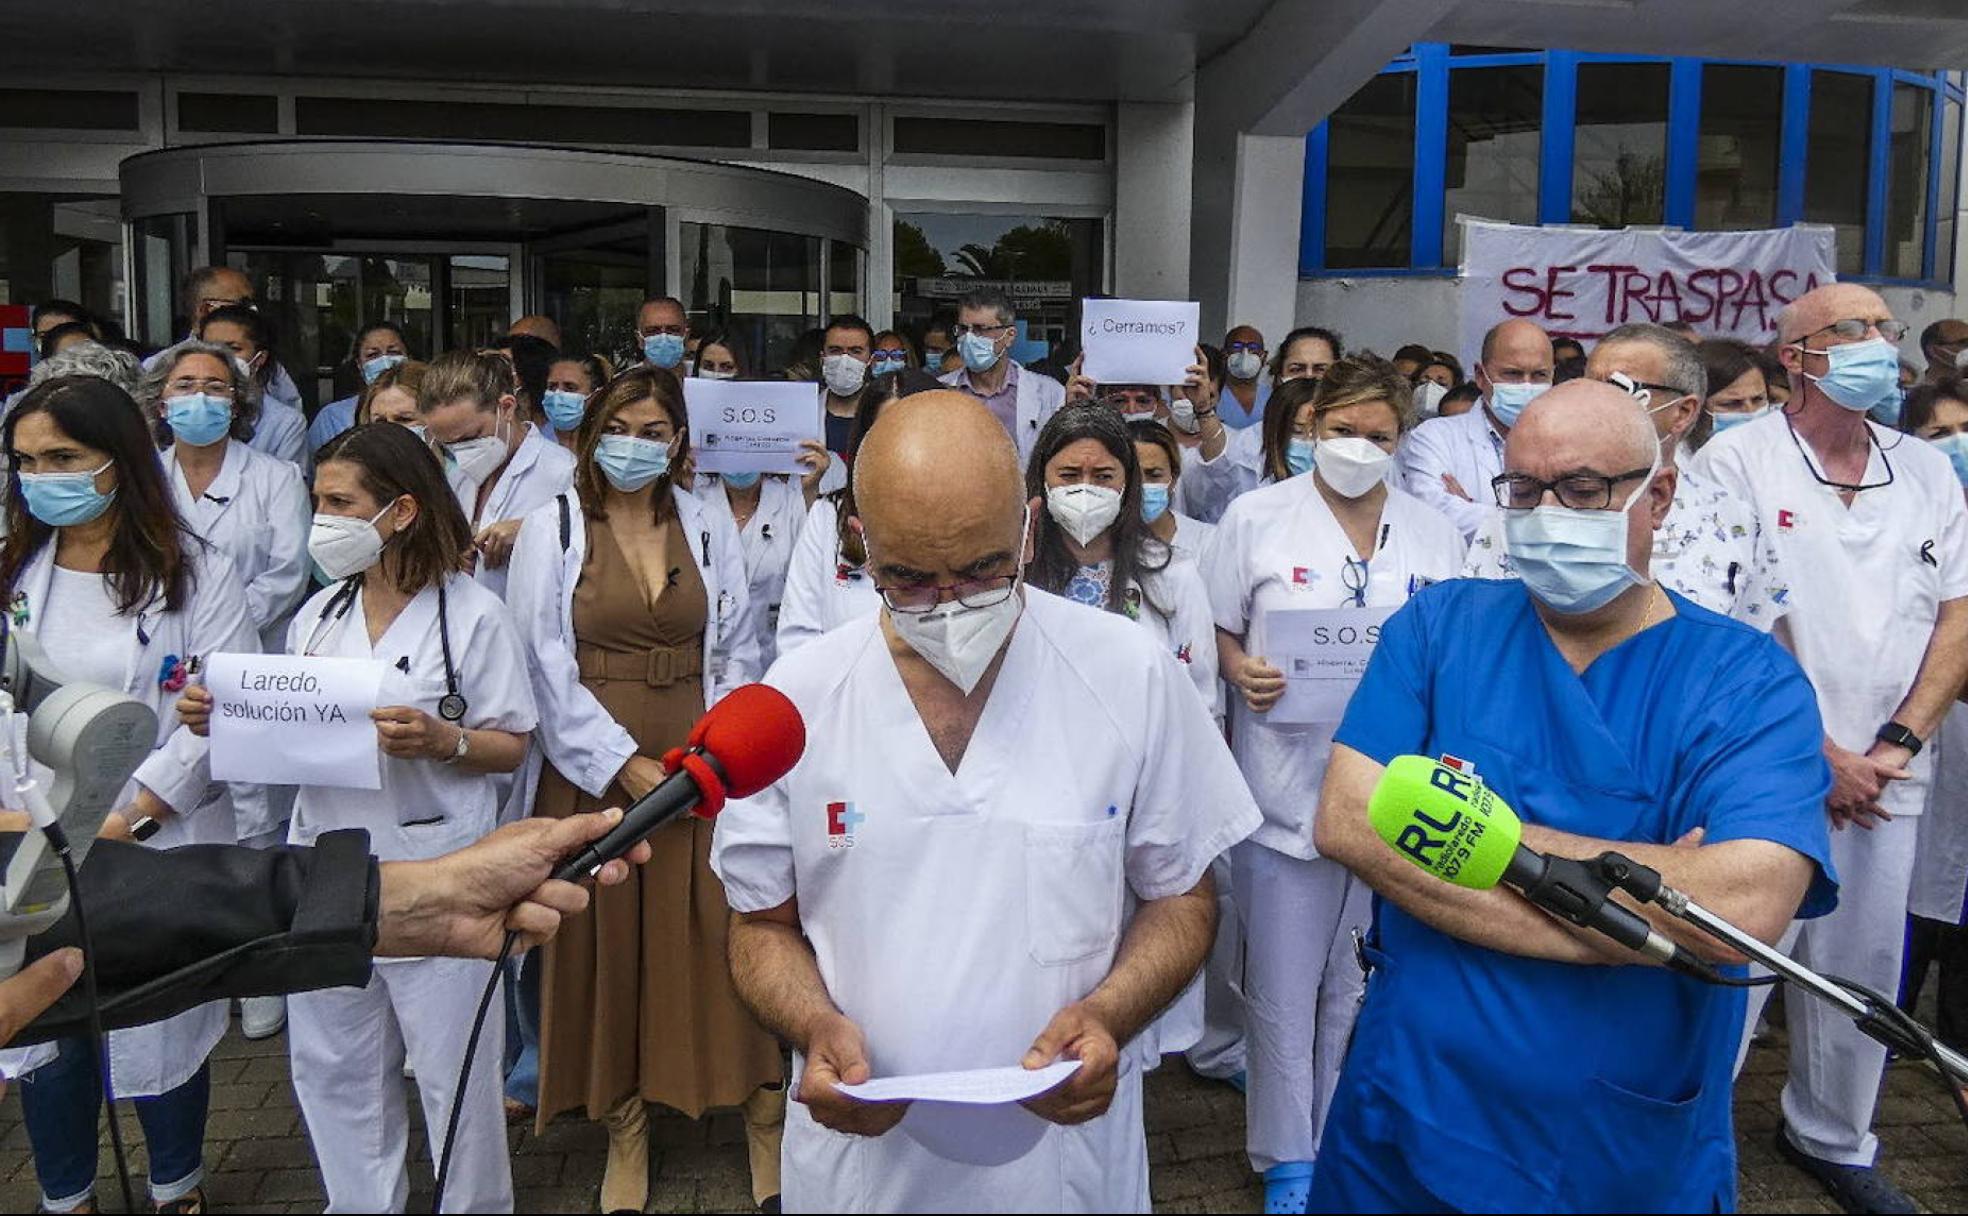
(295, 720)
(1139, 341)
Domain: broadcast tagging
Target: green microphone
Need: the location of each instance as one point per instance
(1450, 824)
(1443, 819)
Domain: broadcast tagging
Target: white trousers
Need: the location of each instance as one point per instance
(349, 1046)
(1220, 1052)
(1835, 1071)
(1302, 991)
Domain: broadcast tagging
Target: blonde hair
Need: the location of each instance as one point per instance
(455, 374)
(1363, 379)
(407, 375)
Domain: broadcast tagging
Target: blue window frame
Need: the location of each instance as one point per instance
(1431, 65)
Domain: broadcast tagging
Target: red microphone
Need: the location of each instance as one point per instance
(745, 743)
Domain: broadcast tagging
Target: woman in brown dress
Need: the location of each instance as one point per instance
(633, 602)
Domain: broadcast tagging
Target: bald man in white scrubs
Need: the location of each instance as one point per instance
(995, 852)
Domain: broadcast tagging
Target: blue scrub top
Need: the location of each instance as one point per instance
(1231, 412)
(1513, 1084)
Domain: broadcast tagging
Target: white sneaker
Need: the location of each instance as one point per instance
(262, 1017)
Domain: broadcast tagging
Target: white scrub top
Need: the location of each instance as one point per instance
(538, 470)
(768, 539)
(425, 807)
(952, 915)
(1866, 581)
(1187, 632)
(1279, 548)
(1467, 447)
(281, 432)
(1940, 862)
(1192, 538)
(822, 591)
(1710, 548)
(256, 512)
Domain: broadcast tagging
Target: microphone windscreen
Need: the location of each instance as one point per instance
(1445, 821)
(755, 734)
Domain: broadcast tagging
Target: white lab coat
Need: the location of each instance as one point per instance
(1467, 447)
(348, 1045)
(1188, 632)
(282, 432)
(1208, 487)
(768, 538)
(952, 915)
(159, 1057)
(1039, 398)
(1940, 864)
(538, 470)
(1192, 537)
(577, 735)
(822, 591)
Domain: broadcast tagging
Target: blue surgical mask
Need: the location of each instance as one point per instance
(631, 462)
(663, 350)
(564, 409)
(372, 368)
(1862, 374)
(740, 481)
(1573, 561)
(1154, 501)
(1507, 401)
(1887, 411)
(980, 354)
(887, 365)
(1724, 422)
(62, 499)
(1956, 448)
(198, 419)
(1299, 455)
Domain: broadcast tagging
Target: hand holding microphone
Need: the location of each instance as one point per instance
(1449, 823)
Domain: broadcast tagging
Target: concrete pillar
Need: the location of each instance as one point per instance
(1268, 189)
(1153, 155)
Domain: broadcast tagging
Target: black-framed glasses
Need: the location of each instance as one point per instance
(1579, 491)
(1354, 576)
(1853, 329)
(971, 593)
(987, 331)
(1811, 466)
(1642, 390)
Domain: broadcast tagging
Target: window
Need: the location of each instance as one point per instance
(1835, 171)
(1619, 158)
(1950, 190)
(763, 286)
(970, 137)
(843, 278)
(241, 113)
(813, 132)
(1046, 264)
(59, 246)
(631, 125)
(68, 109)
(1738, 146)
(1910, 154)
(1370, 175)
(1495, 119)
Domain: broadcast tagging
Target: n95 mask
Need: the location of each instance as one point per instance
(1351, 465)
(960, 641)
(1085, 511)
(345, 545)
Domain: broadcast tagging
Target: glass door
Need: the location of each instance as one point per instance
(591, 282)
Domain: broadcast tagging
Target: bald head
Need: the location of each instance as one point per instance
(1515, 352)
(539, 327)
(1516, 337)
(938, 490)
(1581, 424)
(1828, 305)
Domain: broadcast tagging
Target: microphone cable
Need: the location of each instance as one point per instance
(465, 1069)
(98, 1040)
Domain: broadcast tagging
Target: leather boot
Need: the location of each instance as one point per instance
(625, 1181)
(765, 1128)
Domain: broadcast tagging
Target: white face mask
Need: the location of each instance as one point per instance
(1351, 466)
(1182, 413)
(715, 373)
(1428, 398)
(1085, 511)
(844, 374)
(344, 545)
(1244, 365)
(959, 641)
(477, 459)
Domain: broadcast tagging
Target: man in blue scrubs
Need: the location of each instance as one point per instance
(1504, 1061)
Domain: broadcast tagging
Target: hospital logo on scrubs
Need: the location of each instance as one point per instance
(1304, 576)
(1786, 521)
(842, 819)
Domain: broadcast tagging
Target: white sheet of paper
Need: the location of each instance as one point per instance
(1323, 653)
(743, 426)
(972, 1087)
(1139, 341)
(281, 719)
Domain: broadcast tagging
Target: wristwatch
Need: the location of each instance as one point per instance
(1900, 736)
(464, 746)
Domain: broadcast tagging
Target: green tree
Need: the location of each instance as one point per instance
(915, 257)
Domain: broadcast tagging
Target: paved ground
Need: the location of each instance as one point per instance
(258, 1160)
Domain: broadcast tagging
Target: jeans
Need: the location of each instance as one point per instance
(523, 1029)
(62, 1100)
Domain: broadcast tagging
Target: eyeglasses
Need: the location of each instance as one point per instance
(180, 388)
(1641, 390)
(1354, 575)
(1231, 348)
(971, 593)
(1579, 491)
(1853, 329)
(985, 331)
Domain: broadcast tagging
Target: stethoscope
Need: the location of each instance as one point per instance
(452, 705)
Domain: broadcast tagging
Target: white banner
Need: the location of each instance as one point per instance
(295, 720)
(742, 426)
(1582, 283)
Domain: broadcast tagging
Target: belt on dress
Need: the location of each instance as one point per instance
(658, 667)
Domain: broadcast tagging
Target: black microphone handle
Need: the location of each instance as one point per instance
(676, 797)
